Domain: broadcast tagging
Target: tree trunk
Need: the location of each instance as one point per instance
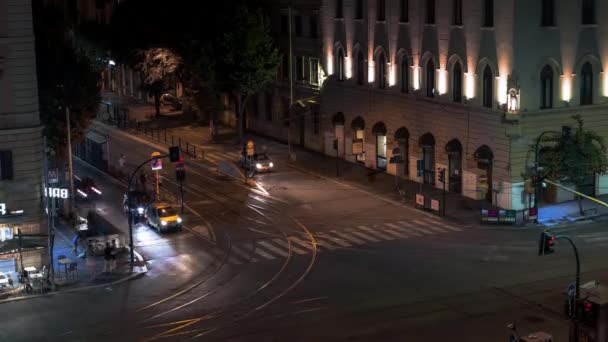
(157, 102)
(580, 206)
(240, 120)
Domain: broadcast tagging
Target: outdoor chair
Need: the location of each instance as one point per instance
(73, 270)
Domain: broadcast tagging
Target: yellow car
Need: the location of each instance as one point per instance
(163, 217)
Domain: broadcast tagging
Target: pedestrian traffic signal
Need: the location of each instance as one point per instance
(174, 154)
(587, 312)
(442, 175)
(547, 241)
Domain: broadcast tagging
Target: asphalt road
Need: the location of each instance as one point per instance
(299, 258)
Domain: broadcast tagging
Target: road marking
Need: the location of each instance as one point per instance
(591, 235)
(376, 233)
(410, 228)
(364, 236)
(397, 232)
(597, 239)
(337, 241)
(273, 248)
(438, 229)
(296, 248)
(348, 238)
(264, 254)
(297, 241)
(244, 254)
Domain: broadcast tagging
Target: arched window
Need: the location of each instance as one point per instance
(457, 12)
(457, 83)
(548, 14)
(405, 75)
(430, 78)
(488, 13)
(546, 87)
(381, 67)
(360, 68)
(587, 84)
(340, 65)
(430, 12)
(488, 87)
(588, 12)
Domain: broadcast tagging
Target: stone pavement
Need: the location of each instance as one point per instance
(89, 270)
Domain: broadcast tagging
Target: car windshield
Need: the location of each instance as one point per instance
(167, 211)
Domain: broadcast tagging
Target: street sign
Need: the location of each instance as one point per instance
(53, 176)
(2, 208)
(532, 214)
(435, 205)
(157, 163)
(420, 199)
(358, 146)
(56, 193)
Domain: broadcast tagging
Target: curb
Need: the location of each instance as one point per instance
(132, 276)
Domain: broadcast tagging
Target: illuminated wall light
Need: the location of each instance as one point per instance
(566, 88)
(370, 72)
(502, 89)
(469, 91)
(330, 64)
(442, 81)
(391, 74)
(416, 77)
(349, 67)
(605, 83)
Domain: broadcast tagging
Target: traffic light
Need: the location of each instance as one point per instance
(546, 243)
(442, 175)
(174, 154)
(587, 312)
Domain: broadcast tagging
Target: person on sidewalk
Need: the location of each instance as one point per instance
(75, 243)
(107, 256)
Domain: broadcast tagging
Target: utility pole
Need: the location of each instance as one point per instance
(290, 86)
(70, 165)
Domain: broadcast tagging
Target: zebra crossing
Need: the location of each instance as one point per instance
(216, 156)
(243, 252)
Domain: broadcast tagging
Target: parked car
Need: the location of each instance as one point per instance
(139, 201)
(260, 162)
(170, 100)
(163, 217)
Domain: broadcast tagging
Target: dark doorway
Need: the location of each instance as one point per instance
(427, 142)
(485, 161)
(454, 151)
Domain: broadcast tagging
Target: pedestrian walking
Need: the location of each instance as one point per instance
(26, 282)
(107, 256)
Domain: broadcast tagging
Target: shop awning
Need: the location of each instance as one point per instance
(96, 137)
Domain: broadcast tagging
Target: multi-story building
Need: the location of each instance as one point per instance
(21, 142)
(466, 85)
(289, 107)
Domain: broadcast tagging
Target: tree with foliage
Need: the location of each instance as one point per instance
(250, 59)
(157, 65)
(574, 156)
(67, 77)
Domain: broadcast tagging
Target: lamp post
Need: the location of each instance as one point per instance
(70, 165)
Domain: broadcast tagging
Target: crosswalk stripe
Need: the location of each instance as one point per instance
(396, 233)
(212, 158)
(273, 248)
(348, 238)
(438, 229)
(335, 240)
(444, 224)
(421, 230)
(243, 254)
(364, 236)
(408, 228)
(261, 252)
(295, 248)
(597, 239)
(379, 234)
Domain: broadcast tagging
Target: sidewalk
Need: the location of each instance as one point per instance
(89, 271)
(458, 208)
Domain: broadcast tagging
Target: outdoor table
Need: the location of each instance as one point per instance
(35, 275)
(65, 262)
(30, 269)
